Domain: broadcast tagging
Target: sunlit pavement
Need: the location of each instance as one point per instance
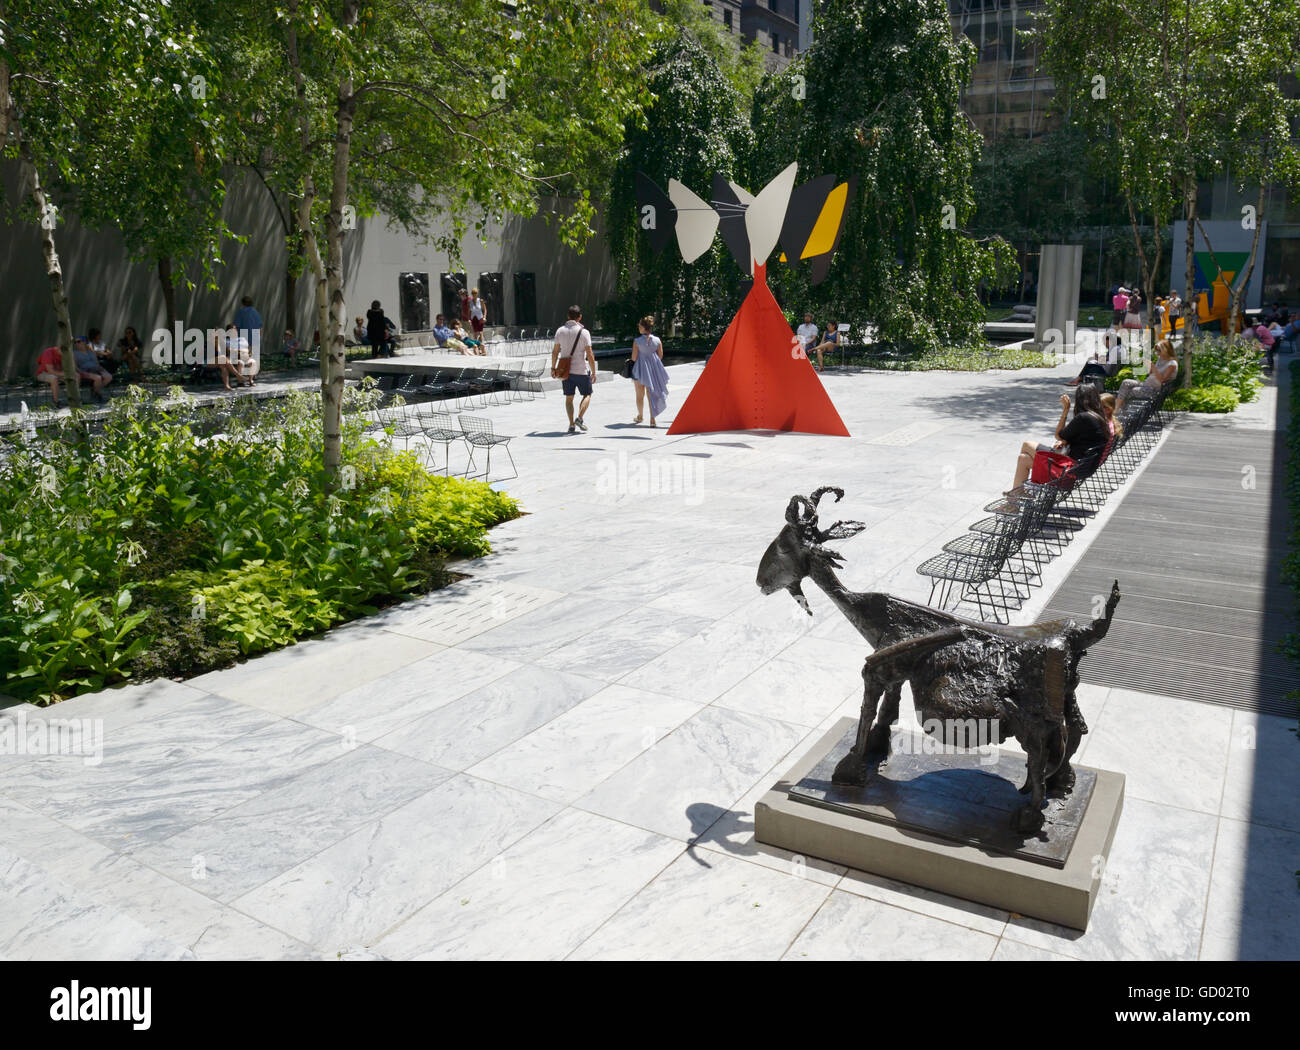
(559, 756)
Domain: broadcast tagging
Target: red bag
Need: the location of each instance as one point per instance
(1049, 466)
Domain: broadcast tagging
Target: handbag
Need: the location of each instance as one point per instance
(1049, 465)
(626, 370)
(563, 364)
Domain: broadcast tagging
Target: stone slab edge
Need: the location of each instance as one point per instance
(1060, 895)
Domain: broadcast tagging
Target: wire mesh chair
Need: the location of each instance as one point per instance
(961, 575)
(441, 428)
(480, 435)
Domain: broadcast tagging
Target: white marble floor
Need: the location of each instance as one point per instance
(559, 756)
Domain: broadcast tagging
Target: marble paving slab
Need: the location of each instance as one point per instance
(540, 898)
(356, 890)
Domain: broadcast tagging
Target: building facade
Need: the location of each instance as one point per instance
(1007, 95)
(526, 277)
(779, 27)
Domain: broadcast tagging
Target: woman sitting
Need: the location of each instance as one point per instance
(1162, 371)
(830, 341)
(1108, 410)
(1085, 435)
(129, 349)
(475, 345)
(49, 369)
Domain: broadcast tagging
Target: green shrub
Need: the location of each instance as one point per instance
(956, 359)
(1218, 361)
(177, 541)
(1113, 382)
(448, 514)
(1203, 399)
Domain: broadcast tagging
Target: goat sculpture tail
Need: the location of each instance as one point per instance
(1084, 638)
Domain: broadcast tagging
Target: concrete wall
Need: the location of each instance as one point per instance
(105, 290)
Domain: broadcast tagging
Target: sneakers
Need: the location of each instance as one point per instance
(581, 425)
(572, 429)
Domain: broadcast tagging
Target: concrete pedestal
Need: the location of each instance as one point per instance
(786, 817)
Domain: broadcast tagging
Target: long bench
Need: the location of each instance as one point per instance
(996, 565)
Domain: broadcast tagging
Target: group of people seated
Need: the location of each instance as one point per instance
(1096, 420)
(454, 337)
(811, 343)
(1276, 330)
(96, 364)
(230, 354)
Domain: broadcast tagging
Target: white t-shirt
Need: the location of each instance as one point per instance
(476, 308)
(569, 342)
(807, 334)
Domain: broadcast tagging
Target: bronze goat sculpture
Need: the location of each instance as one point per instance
(1017, 681)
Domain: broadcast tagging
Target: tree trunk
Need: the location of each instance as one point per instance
(291, 289)
(333, 356)
(1239, 286)
(1148, 279)
(53, 268)
(311, 249)
(169, 294)
(1191, 326)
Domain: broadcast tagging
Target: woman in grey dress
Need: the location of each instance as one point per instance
(648, 372)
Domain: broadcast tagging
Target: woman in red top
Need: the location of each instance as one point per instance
(49, 369)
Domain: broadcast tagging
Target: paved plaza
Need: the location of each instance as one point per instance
(559, 756)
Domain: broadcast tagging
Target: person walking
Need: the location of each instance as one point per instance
(648, 371)
(579, 365)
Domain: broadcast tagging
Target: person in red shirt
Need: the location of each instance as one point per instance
(49, 369)
(1267, 340)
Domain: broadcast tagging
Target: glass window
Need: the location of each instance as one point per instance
(726, 18)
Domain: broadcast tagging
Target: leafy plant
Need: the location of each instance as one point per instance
(197, 538)
(1203, 399)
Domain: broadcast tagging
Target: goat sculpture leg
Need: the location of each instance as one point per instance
(878, 738)
(1029, 819)
(885, 671)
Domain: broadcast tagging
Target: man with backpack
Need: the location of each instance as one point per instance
(573, 362)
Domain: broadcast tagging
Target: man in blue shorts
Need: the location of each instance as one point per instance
(574, 342)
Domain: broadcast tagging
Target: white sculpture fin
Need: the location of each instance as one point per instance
(697, 222)
(742, 195)
(766, 214)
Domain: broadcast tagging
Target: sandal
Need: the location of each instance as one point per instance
(638, 419)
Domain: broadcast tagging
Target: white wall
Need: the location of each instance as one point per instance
(105, 290)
